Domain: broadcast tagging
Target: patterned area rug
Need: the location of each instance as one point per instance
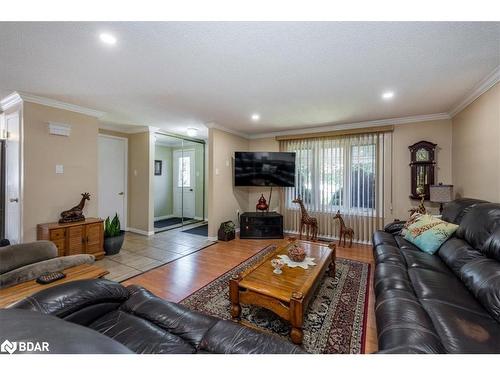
(335, 321)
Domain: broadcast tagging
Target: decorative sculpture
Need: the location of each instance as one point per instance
(421, 207)
(344, 230)
(311, 223)
(262, 204)
(75, 213)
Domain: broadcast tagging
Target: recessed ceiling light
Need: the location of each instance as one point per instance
(107, 38)
(388, 95)
(255, 117)
(192, 132)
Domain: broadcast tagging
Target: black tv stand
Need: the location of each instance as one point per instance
(258, 225)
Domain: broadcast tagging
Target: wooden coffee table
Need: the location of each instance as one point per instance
(17, 292)
(287, 294)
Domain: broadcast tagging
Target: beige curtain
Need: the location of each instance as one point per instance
(343, 173)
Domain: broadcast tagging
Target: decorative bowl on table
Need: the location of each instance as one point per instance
(296, 253)
(277, 265)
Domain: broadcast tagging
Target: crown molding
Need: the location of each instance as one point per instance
(16, 97)
(484, 85)
(213, 125)
(10, 101)
(356, 125)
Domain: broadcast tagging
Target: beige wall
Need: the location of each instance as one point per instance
(476, 148)
(269, 145)
(46, 193)
(405, 135)
(224, 200)
(141, 184)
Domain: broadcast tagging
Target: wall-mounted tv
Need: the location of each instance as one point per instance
(264, 169)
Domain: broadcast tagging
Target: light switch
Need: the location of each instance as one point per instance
(227, 163)
(216, 171)
(59, 169)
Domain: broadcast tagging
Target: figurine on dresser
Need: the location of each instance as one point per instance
(75, 213)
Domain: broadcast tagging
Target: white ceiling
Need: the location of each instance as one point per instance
(175, 75)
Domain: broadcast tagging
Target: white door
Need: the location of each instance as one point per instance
(184, 183)
(12, 179)
(113, 178)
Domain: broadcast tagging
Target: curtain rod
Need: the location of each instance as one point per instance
(337, 133)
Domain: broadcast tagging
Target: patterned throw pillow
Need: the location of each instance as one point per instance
(413, 218)
(429, 233)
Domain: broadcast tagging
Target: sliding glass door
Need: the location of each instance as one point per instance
(179, 179)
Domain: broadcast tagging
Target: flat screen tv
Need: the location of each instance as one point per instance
(264, 169)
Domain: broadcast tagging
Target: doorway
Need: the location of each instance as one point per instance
(179, 182)
(112, 184)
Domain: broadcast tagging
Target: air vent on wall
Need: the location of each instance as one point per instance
(56, 128)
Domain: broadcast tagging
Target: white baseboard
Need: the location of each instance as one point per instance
(213, 238)
(140, 231)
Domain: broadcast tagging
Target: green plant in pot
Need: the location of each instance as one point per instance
(226, 231)
(113, 236)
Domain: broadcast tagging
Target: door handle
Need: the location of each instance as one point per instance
(121, 193)
(190, 189)
(12, 200)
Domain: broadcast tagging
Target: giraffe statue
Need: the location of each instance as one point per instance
(311, 223)
(75, 213)
(344, 230)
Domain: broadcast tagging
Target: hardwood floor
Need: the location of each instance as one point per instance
(177, 280)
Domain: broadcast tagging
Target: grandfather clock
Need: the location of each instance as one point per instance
(422, 165)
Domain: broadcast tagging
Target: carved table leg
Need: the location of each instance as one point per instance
(296, 317)
(235, 297)
(331, 269)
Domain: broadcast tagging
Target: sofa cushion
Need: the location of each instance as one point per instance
(419, 259)
(456, 253)
(429, 284)
(454, 211)
(388, 254)
(405, 244)
(139, 335)
(491, 247)
(429, 233)
(402, 321)
(479, 223)
(190, 325)
(482, 278)
(391, 276)
(462, 330)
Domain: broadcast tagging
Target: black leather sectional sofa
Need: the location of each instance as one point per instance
(448, 302)
(102, 316)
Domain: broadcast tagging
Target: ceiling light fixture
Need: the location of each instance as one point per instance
(107, 38)
(192, 132)
(388, 95)
(255, 117)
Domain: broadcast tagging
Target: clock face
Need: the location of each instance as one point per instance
(422, 154)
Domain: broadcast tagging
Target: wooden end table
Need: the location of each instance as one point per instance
(17, 292)
(287, 294)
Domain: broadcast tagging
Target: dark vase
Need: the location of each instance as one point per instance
(112, 245)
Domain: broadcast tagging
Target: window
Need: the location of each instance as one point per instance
(184, 176)
(335, 174)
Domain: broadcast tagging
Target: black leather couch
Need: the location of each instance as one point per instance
(103, 316)
(448, 302)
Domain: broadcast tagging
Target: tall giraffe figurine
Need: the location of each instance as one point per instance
(344, 231)
(311, 223)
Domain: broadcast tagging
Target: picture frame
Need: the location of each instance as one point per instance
(158, 167)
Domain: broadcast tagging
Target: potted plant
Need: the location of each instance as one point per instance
(113, 236)
(226, 231)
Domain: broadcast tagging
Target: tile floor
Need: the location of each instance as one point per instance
(142, 253)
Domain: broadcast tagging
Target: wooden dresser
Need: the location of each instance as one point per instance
(81, 237)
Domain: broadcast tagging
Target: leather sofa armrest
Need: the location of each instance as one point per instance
(68, 298)
(395, 227)
(15, 256)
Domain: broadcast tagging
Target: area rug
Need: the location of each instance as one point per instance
(202, 230)
(335, 321)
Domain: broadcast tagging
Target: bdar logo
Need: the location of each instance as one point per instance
(9, 347)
